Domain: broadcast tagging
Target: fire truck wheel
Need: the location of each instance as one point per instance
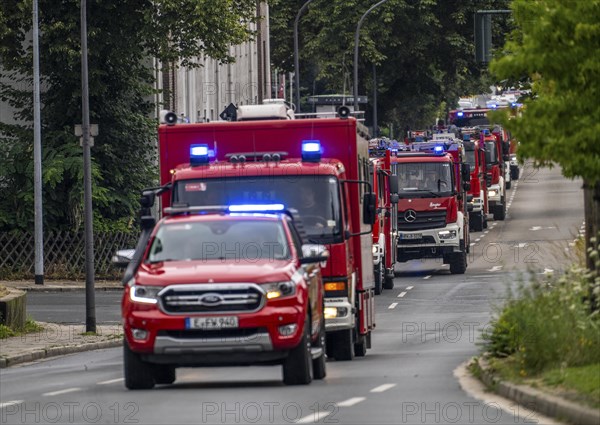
(341, 343)
(508, 184)
(379, 277)
(164, 374)
(500, 211)
(297, 366)
(478, 222)
(360, 346)
(139, 375)
(514, 173)
(458, 263)
(319, 364)
(388, 280)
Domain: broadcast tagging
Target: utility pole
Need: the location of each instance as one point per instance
(37, 155)
(375, 125)
(296, 59)
(356, 41)
(90, 300)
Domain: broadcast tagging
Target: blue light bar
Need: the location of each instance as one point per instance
(438, 149)
(256, 208)
(198, 154)
(466, 137)
(311, 150)
(460, 114)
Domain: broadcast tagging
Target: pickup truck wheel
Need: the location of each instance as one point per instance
(360, 346)
(341, 343)
(379, 277)
(297, 366)
(139, 375)
(458, 263)
(319, 364)
(164, 374)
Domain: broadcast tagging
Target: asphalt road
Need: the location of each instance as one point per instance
(426, 326)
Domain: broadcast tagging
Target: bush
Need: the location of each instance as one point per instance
(548, 324)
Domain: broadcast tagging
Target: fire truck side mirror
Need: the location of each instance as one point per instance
(147, 222)
(394, 184)
(394, 198)
(147, 199)
(467, 186)
(369, 210)
(465, 172)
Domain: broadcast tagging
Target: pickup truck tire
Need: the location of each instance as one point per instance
(341, 344)
(458, 263)
(297, 366)
(319, 364)
(164, 374)
(379, 271)
(360, 346)
(139, 375)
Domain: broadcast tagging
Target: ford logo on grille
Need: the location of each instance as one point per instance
(211, 299)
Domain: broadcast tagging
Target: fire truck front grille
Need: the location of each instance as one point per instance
(211, 298)
(421, 220)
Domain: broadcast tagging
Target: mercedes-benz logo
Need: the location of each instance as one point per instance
(210, 299)
(410, 215)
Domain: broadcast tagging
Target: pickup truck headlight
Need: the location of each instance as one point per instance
(447, 234)
(279, 289)
(144, 294)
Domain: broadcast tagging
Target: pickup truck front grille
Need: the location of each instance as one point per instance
(212, 298)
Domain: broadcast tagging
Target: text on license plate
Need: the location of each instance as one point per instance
(411, 236)
(216, 322)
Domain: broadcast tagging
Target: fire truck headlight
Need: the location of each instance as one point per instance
(447, 234)
(333, 312)
(492, 193)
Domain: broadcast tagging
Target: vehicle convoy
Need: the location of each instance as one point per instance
(432, 208)
(385, 228)
(217, 286)
(318, 166)
(497, 148)
(475, 157)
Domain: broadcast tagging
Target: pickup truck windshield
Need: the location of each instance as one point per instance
(424, 179)
(315, 197)
(239, 240)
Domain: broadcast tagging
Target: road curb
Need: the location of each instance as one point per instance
(64, 288)
(57, 351)
(537, 400)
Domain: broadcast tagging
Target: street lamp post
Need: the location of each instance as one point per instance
(90, 300)
(296, 60)
(356, 39)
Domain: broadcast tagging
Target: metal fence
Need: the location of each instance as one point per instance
(64, 254)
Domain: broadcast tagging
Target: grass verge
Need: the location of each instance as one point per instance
(31, 326)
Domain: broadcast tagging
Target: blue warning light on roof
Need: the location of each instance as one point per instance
(311, 150)
(198, 154)
(460, 114)
(438, 149)
(256, 208)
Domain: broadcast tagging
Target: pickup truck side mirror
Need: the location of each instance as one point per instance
(394, 184)
(122, 258)
(369, 210)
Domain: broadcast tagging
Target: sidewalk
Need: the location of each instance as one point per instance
(62, 285)
(56, 340)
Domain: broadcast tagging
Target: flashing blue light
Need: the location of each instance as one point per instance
(493, 106)
(256, 208)
(199, 154)
(311, 150)
(466, 137)
(460, 114)
(438, 149)
(486, 131)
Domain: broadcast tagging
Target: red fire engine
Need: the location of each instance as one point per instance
(319, 167)
(475, 157)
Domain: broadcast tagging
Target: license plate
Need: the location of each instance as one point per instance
(411, 236)
(216, 322)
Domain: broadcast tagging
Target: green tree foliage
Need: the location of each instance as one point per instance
(556, 46)
(423, 50)
(123, 38)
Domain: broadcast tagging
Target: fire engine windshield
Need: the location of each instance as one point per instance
(239, 240)
(475, 121)
(424, 179)
(491, 154)
(316, 198)
(470, 159)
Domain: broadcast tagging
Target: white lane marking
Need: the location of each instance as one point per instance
(10, 403)
(408, 288)
(427, 277)
(401, 294)
(472, 243)
(522, 245)
(547, 271)
(495, 269)
(535, 228)
(477, 240)
(314, 418)
(65, 391)
(486, 232)
(110, 381)
(482, 236)
(350, 402)
(392, 306)
(382, 388)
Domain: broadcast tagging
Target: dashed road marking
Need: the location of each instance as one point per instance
(10, 403)
(350, 402)
(401, 294)
(486, 232)
(472, 243)
(392, 306)
(314, 418)
(65, 391)
(427, 277)
(482, 236)
(495, 269)
(382, 388)
(408, 288)
(110, 381)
